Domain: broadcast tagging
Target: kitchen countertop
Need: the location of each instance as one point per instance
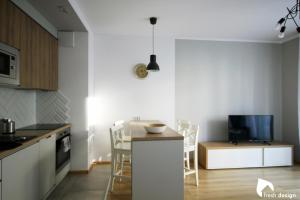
(138, 132)
(40, 135)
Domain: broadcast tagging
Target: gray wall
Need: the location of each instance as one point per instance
(214, 79)
(19, 105)
(290, 64)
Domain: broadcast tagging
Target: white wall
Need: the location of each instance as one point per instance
(90, 102)
(73, 83)
(290, 68)
(215, 79)
(120, 95)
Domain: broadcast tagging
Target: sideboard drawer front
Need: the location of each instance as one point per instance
(234, 158)
(278, 156)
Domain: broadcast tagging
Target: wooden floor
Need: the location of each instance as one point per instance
(237, 184)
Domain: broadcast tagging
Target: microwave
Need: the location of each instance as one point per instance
(9, 65)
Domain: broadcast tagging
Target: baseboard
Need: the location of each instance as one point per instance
(79, 172)
(102, 162)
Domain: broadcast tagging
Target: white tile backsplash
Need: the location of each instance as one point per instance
(52, 107)
(19, 105)
(28, 107)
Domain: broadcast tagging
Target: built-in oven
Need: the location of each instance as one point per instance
(63, 149)
(9, 65)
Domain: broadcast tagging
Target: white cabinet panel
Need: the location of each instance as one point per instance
(20, 177)
(277, 156)
(234, 158)
(47, 166)
(0, 170)
(157, 170)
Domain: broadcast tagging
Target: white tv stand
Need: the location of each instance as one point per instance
(223, 155)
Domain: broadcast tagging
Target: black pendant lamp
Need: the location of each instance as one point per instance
(153, 66)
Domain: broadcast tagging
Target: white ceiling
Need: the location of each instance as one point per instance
(252, 20)
(66, 20)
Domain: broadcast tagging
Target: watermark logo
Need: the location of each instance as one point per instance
(264, 184)
(261, 185)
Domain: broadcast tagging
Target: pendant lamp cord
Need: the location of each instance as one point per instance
(152, 39)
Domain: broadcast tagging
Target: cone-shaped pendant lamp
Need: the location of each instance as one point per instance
(153, 66)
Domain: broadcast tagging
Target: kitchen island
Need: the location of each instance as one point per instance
(157, 163)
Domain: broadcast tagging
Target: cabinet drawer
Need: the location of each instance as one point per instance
(278, 156)
(234, 158)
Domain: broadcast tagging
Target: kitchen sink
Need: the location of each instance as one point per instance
(12, 141)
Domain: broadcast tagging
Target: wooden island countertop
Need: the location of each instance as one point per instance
(138, 132)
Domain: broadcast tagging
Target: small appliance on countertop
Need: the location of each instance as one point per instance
(7, 126)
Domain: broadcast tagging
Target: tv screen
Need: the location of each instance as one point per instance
(250, 128)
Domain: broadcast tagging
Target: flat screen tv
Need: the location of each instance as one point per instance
(257, 128)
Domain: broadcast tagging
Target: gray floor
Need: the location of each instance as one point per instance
(83, 186)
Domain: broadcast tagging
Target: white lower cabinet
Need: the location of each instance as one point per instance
(0, 180)
(20, 177)
(238, 157)
(29, 174)
(47, 166)
(234, 158)
(278, 156)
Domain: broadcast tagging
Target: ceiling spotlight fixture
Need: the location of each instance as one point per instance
(153, 66)
(292, 14)
(63, 9)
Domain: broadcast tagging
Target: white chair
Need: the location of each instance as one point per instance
(122, 135)
(118, 148)
(182, 128)
(191, 145)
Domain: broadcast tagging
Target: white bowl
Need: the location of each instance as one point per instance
(155, 128)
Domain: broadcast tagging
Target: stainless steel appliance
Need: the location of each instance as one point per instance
(9, 65)
(63, 149)
(7, 126)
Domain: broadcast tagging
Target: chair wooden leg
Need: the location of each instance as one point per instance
(184, 159)
(184, 156)
(122, 156)
(112, 173)
(188, 160)
(122, 163)
(196, 166)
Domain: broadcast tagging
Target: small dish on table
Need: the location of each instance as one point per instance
(155, 128)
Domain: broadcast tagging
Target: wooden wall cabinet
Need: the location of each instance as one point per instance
(38, 48)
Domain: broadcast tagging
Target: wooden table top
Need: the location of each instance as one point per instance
(138, 132)
(228, 145)
(40, 134)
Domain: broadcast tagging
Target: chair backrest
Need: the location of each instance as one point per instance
(183, 126)
(122, 132)
(115, 132)
(192, 135)
(119, 122)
